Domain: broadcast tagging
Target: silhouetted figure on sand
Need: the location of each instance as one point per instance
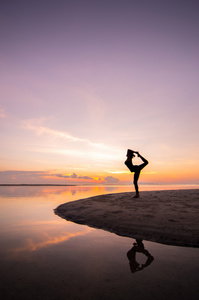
(138, 247)
(136, 169)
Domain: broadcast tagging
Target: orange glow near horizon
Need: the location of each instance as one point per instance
(163, 174)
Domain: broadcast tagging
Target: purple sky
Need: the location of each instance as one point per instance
(82, 81)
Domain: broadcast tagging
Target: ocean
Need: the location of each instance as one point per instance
(45, 257)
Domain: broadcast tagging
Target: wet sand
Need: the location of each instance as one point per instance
(167, 217)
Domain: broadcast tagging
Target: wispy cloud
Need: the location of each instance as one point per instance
(73, 175)
(36, 126)
(20, 176)
(111, 180)
(70, 145)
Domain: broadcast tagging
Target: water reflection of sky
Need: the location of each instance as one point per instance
(27, 216)
(42, 252)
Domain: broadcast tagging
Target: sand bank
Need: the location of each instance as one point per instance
(168, 217)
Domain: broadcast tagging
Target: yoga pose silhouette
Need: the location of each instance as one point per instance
(138, 247)
(136, 169)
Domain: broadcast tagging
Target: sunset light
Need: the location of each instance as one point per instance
(83, 81)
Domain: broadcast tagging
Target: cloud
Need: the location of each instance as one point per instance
(19, 172)
(36, 126)
(111, 179)
(66, 176)
(63, 143)
(63, 176)
(48, 177)
(38, 177)
(20, 177)
(85, 177)
(74, 175)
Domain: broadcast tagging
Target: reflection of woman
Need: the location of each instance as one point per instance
(131, 254)
(136, 169)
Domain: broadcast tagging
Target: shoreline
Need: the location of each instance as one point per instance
(166, 216)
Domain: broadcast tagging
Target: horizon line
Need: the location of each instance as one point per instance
(93, 184)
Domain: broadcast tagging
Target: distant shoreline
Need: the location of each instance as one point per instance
(148, 187)
(32, 184)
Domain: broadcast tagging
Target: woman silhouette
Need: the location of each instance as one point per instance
(136, 169)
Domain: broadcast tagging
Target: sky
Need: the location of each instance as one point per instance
(82, 81)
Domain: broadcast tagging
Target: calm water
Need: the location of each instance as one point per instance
(46, 257)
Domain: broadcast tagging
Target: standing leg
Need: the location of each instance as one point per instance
(136, 176)
(137, 173)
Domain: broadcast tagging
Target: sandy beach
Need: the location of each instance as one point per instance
(168, 217)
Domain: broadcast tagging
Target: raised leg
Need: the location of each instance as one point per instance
(145, 162)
